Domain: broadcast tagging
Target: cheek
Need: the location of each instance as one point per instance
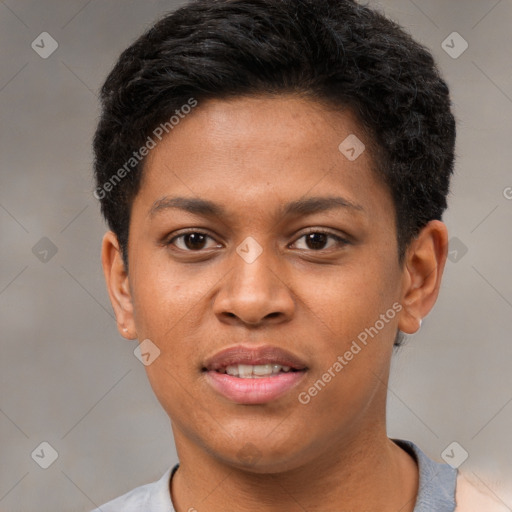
(353, 299)
(355, 323)
(361, 308)
(169, 309)
(162, 296)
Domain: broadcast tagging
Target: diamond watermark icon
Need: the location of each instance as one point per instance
(44, 45)
(352, 147)
(249, 454)
(146, 352)
(249, 250)
(44, 250)
(454, 45)
(454, 455)
(45, 455)
(456, 249)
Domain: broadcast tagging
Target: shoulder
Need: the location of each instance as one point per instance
(129, 502)
(153, 497)
(472, 496)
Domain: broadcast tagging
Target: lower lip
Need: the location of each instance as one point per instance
(253, 391)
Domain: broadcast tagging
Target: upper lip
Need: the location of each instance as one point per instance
(253, 356)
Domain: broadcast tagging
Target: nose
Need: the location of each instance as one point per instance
(254, 293)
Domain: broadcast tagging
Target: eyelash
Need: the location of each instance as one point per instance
(340, 240)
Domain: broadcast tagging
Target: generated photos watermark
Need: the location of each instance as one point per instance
(343, 360)
(151, 142)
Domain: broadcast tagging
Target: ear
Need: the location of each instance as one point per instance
(118, 285)
(423, 269)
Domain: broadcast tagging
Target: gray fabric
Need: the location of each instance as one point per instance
(437, 482)
(154, 497)
(436, 492)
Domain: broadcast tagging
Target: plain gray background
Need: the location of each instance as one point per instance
(69, 379)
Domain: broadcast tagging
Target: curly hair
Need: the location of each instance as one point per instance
(336, 52)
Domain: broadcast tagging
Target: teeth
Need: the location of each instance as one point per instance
(248, 371)
(232, 370)
(244, 370)
(263, 369)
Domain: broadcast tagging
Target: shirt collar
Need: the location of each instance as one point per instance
(437, 481)
(436, 489)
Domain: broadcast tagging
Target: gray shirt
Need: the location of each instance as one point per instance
(436, 492)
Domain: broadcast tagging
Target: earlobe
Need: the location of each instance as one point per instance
(118, 287)
(423, 270)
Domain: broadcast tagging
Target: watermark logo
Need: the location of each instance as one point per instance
(151, 142)
(355, 348)
(44, 45)
(352, 147)
(146, 352)
(44, 455)
(456, 249)
(44, 250)
(454, 45)
(249, 454)
(249, 250)
(454, 455)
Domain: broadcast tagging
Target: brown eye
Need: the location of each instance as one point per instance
(194, 241)
(317, 240)
(191, 241)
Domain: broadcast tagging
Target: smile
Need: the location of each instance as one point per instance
(257, 371)
(251, 389)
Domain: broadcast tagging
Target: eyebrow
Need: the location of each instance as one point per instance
(208, 208)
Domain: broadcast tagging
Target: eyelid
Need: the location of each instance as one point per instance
(170, 239)
(340, 239)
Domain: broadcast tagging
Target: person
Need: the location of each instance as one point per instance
(273, 174)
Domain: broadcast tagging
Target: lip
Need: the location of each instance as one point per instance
(241, 354)
(254, 391)
(257, 390)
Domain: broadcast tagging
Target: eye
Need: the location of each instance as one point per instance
(317, 239)
(191, 241)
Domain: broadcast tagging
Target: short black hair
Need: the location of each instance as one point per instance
(337, 52)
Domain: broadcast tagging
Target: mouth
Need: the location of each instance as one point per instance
(254, 375)
(257, 371)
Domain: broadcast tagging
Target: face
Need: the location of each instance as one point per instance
(280, 241)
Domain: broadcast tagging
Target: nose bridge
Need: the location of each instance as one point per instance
(253, 290)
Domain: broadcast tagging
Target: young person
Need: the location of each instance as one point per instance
(273, 174)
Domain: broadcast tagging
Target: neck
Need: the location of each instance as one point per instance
(369, 472)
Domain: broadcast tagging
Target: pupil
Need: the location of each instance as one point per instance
(317, 240)
(197, 240)
(194, 240)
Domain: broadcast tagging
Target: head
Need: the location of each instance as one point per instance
(253, 112)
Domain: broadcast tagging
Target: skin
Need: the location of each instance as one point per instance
(193, 298)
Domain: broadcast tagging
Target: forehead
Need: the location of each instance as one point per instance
(261, 152)
(264, 125)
